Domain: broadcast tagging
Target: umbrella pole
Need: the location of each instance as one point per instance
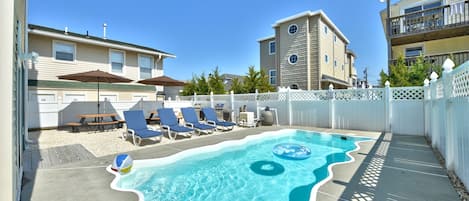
(99, 119)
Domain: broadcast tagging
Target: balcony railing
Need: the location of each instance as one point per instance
(430, 19)
(437, 60)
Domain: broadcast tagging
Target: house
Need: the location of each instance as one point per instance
(309, 52)
(435, 29)
(13, 57)
(228, 80)
(63, 52)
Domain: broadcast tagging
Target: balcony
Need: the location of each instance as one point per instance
(438, 59)
(430, 24)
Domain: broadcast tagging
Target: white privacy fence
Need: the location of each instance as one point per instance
(447, 117)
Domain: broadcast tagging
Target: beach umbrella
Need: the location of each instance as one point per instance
(95, 76)
(163, 81)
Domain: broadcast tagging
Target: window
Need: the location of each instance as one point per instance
(335, 38)
(294, 86)
(145, 63)
(292, 29)
(293, 59)
(415, 22)
(64, 51)
(343, 67)
(335, 63)
(325, 29)
(271, 47)
(117, 61)
(413, 52)
(68, 98)
(326, 58)
(273, 77)
(108, 97)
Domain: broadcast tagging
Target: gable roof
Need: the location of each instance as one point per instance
(60, 34)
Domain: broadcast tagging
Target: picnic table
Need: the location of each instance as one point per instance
(99, 120)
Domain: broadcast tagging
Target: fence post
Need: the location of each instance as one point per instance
(426, 105)
(435, 137)
(331, 106)
(289, 107)
(447, 93)
(257, 104)
(211, 100)
(232, 105)
(387, 107)
(194, 100)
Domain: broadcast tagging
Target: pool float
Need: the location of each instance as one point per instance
(291, 151)
(122, 163)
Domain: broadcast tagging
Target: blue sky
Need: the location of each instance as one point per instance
(204, 34)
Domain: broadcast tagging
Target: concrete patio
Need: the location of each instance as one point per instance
(394, 167)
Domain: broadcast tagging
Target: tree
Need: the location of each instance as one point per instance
(263, 84)
(215, 82)
(202, 85)
(190, 87)
(402, 75)
(237, 86)
(251, 80)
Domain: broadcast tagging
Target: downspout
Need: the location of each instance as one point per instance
(308, 55)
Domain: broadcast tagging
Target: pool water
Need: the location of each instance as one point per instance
(247, 171)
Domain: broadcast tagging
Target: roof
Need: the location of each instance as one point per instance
(310, 14)
(41, 30)
(334, 80)
(349, 51)
(266, 38)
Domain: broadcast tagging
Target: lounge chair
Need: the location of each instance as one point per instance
(137, 127)
(169, 122)
(191, 120)
(212, 119)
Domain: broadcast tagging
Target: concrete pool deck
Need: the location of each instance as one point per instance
(394, 167)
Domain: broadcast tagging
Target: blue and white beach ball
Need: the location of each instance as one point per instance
(122, 163)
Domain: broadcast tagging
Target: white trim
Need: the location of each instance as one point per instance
(146, 96)
(65, 93)
(288, 29)
(151, 63)
(288, 59)
(99, 43)
(116, 94)
(123, 64)
(310, 14)
(266, 38)
(67, 43)
(275, 49)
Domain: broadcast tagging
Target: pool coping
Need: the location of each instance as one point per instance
(237, 142)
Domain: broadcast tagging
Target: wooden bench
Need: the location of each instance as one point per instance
(75, 126)
(102, 124)
(120, 123)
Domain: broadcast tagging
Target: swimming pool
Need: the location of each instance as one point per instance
(239, 170)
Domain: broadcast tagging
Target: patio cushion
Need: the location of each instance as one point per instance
(145, 133)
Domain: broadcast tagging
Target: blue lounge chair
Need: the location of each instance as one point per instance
(191, 120)
(212, 119)
(137, 127)
(169, 122)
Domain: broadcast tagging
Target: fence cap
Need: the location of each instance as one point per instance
(387, 83)
(434, 76)
(426, 82)
(448, 65)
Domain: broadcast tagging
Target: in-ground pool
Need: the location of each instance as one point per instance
(239, 170)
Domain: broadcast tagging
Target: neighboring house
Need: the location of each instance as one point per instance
(62, 52)
(228, 80)
(435, 29)
(307, 52)
(13, 129)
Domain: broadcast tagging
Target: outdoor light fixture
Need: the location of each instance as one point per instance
(30, 56)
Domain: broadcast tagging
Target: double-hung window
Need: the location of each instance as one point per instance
(145, 63)
(117, 61)
(271, 47)
(273, 77)
(63, 51)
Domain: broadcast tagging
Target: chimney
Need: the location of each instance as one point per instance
(66, 30)
(87, 36)
(104, 30)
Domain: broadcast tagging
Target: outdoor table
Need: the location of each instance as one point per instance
(98, 119)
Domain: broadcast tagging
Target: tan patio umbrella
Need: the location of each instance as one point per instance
(95, 76)
(163, 81)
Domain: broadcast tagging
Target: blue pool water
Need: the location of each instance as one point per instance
(248, 171)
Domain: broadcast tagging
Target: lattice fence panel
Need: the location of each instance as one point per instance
(245, 97)
(309, 95)
(271, 97)
(461, 83)
(359, 94)
(221, 98)
(407, 93)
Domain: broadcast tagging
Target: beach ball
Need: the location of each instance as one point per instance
(122, 163)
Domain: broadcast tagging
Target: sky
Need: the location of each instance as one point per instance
(205, 34)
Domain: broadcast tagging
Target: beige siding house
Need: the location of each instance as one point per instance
(435, 29)
(62, 52)
(307, 52)
(13, 57)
